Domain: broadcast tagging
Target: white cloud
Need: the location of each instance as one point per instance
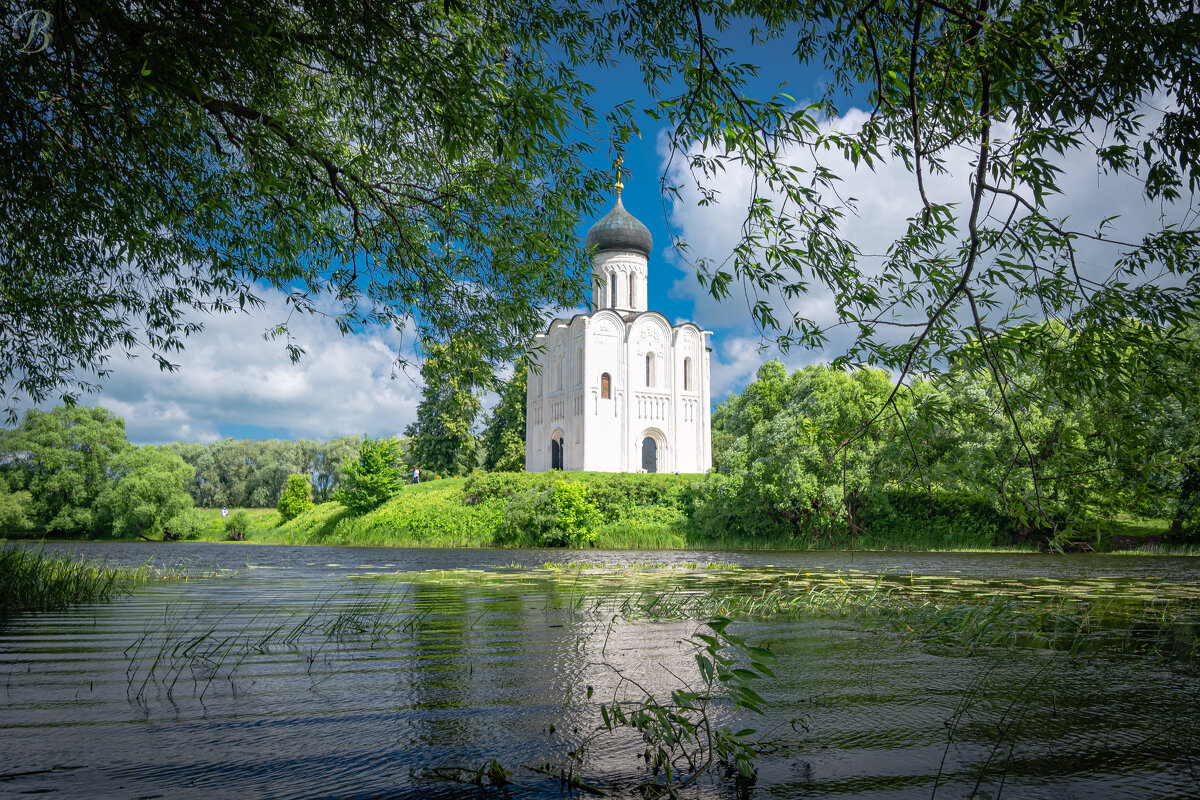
(878, 203)
(229, 376)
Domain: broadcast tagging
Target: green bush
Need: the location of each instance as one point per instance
(296, 497)
(187, 524)
(237, 524)
(577, 517)
(562, 515)
(529, 517)
(373, 478)
(917, 520)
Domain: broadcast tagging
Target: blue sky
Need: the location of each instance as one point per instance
(232, 382)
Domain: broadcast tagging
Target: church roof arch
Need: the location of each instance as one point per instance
(610, 314)
(648, 319)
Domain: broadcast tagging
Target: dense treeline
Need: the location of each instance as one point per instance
(832, 453)
(251, 473)
(71, 471)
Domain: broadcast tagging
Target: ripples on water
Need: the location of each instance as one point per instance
(295, 679)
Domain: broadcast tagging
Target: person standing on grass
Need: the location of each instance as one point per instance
(416, 475)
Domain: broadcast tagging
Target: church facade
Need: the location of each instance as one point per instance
(620, 389)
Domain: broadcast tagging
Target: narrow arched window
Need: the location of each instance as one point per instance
(605, 386)
(612, 291)
(687, 374)
(579, 365)
(649, 369)
(631, 290)
(556, 453)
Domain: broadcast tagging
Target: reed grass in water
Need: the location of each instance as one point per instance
(32, 580)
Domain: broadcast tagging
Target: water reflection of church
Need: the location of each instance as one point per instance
(620, 389)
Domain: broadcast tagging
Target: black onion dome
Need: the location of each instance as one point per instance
(619, 230)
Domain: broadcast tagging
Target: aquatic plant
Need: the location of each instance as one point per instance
(682, 742)
(676, 738)
(200, 647)
(37, 580)
(1145, 617)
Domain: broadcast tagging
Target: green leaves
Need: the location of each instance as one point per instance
(149, 491)
(267, 145)
(372, 478)
(65, 458)
(442, 439)
(504, 434)
(296, 497)
(681, 740)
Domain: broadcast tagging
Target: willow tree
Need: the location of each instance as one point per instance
(405, 164)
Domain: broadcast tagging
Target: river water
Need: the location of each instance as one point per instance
(336, 673)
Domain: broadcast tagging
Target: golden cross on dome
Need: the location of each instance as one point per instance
(618, 185)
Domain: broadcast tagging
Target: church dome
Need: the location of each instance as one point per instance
(619, 230)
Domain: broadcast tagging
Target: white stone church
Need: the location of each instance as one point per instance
(620, 389)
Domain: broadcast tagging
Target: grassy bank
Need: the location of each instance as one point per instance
(637, 512)
(631, 511)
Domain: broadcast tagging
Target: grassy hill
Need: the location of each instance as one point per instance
(633, 511)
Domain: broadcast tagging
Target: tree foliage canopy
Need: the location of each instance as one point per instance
(442, 438)
(794, 462)
(64, 458)
(148, 489)
(252, 473)
(391, 163)
(504, 434)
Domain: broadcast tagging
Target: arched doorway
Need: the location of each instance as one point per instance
(556, 452)
(649, 455)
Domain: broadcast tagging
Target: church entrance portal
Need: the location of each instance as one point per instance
(649, 455)
(556, 453)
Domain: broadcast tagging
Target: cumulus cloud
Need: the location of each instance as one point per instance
(878, 202)
(230, 378)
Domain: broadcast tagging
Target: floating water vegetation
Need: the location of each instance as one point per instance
(1104, 614)
(636, 565)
